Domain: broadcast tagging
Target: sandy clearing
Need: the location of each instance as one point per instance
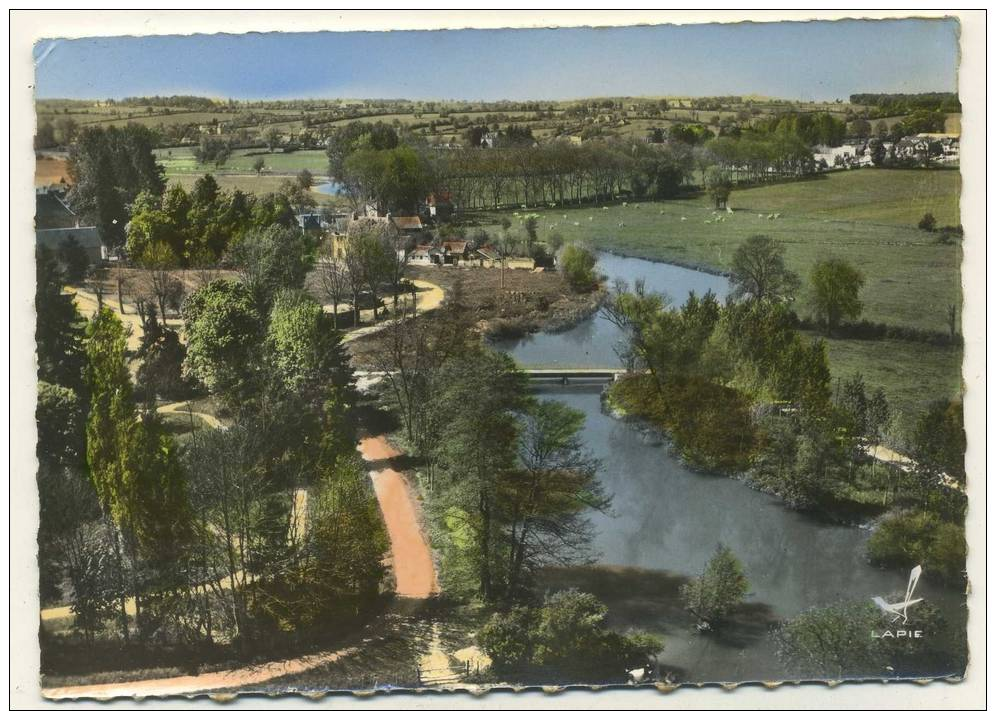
(414, 573)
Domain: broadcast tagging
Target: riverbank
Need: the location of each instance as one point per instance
(844, 506)
(528, 302)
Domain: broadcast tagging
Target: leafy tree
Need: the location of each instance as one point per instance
(721, 588)
(304, 351)
(305, 179)
(928, 223)
(272, 138)
(338, 567)
(224, 332)
(833, 642)
(476, 451)
(758, 271)
(718, 186)
(939, 441)
(74, 259)
(160, 374)
(836, 286)
(549, 498)
(566, 636)
(258, 165)
(268, 260)
(110, 167)
(61, 422)
(59, 326)
(213, 149)
(577, 263)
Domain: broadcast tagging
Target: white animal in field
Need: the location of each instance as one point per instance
(771, 216)
(590, 218)
(729, 210)
(777, 215)
(625, 204)
(523, 207)
(605, 207)
(683, 218)
(708, 222)
(577, 224)
(622, 224)
(565, 217)
(760, 217)
(640, 675)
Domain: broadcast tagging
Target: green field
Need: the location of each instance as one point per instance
(910, 278)
(913, 374)
(181, 161)
(893, 197)
(251, 184)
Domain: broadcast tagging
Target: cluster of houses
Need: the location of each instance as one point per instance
(922, 148)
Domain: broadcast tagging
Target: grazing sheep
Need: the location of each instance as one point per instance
(625, 204)
(605, 207)
(777, 215)
(565, 217)
(708, 222)
(771, 216)
(577, 224)
(622, 224)
(760, 217)
(729, 210)
(524, 207)
(662, 212)
(683, 218)
(590, 218)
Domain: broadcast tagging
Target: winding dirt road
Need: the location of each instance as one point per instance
(415, 576)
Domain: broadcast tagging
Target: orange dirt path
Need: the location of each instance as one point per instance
(414, 573)
(212, 681)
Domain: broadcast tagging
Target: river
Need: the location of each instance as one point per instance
(667, 520)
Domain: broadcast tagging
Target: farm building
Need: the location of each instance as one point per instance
(55, 223)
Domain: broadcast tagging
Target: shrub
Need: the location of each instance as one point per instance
(577, 263)
(906, 539)
(928, 222)
(567, 638)
(721, 587)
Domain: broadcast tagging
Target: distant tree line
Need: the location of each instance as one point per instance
(900, 104)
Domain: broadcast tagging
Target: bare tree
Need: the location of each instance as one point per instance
(158, 262)
(334, 279)
(399, 247)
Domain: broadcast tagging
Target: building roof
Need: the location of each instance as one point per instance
(405, 222)
(87, 237)
(455, 246)
(52, 213)
(488, 252)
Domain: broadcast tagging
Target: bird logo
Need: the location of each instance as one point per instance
(900, 610)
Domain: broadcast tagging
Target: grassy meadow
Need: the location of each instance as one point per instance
(181, 161)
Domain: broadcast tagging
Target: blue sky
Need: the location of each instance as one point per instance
(795, 60)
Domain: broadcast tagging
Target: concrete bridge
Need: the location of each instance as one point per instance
(566, 375)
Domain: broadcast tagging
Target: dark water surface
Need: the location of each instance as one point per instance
(667, 521)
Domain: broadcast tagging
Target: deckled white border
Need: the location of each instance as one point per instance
(27, 26)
